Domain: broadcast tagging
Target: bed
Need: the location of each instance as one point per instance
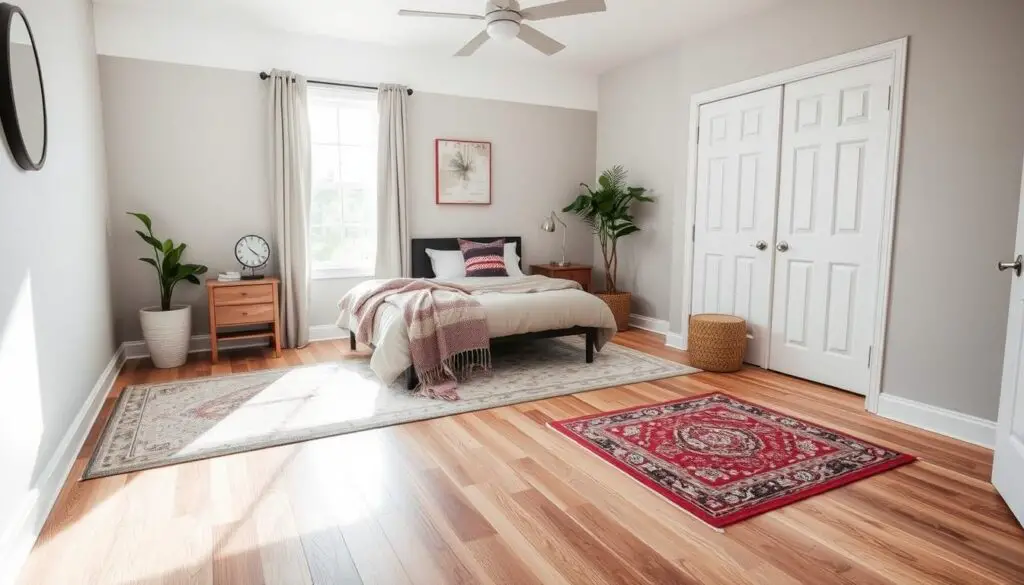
(511, 317)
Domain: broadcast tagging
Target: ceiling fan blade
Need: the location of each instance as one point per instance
(439, 14)
(473, 45)
(564, 8)
(539, 40)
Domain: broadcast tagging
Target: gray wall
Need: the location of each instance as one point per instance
(55, 319)
(959, 184)
(188, 145)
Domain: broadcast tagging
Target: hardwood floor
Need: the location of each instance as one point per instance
(496, 497)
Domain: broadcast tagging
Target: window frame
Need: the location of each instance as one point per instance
(325, 95)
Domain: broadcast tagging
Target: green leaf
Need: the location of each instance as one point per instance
(616, 176)
(637, 193)
(170, 264)
(144, 219)
(193, 269)
(167, 246)
(150, 240)
(152, 262)
(191, 278)
(625, 231)
(578, 205)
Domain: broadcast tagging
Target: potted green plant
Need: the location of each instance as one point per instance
(167, 328)
(607, 211)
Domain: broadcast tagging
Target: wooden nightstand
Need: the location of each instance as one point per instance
(243, 303)
(578, 272)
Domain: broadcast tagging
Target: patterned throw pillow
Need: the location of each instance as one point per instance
(484, 259)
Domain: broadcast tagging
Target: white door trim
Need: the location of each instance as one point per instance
(895, 50)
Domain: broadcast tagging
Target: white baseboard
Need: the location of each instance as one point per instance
(326, 333)
(648, 323)
(201, 343)
(954, 424)
(675, 340)
(661, 326)
(198, 344)
(18, 538)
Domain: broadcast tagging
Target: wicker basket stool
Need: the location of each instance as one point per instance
(717, 342)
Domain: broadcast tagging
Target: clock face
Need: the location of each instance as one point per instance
(252, 251)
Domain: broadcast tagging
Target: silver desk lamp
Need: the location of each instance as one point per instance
(549, 226)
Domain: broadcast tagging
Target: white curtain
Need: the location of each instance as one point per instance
(290, 167)
(392, 210)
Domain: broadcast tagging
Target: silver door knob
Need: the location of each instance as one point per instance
(761, 245)
(1015, 265)
(782, 246)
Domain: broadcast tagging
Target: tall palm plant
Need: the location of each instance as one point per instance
(607, 211)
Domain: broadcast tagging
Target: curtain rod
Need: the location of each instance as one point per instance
(265, 75)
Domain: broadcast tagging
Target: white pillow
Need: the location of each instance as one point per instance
(449, 264)
(512, 261)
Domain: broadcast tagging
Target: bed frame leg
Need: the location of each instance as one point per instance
(352, 340)
(591, 342)
(411, 381)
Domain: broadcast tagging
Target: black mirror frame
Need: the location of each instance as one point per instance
(8, 108)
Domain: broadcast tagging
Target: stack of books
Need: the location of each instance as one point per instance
(229, 276)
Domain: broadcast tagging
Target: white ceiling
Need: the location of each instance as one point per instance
(596, 42)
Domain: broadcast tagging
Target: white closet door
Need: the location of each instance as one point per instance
(737, 172)
(1008, 467)
(835, 134)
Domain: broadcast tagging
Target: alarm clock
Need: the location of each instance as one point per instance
(252, 252)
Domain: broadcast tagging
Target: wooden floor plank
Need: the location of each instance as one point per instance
(496, 497)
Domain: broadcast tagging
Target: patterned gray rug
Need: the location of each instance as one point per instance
(163, 424)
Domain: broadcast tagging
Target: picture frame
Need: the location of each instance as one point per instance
(462, 172)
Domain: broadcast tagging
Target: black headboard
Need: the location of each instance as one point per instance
(421, 262)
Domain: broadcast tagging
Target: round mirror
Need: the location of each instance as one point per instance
(22, 101)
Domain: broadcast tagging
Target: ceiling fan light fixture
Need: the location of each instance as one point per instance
(504, 21)
(503, 30)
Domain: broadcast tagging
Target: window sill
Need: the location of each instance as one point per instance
(340, 273)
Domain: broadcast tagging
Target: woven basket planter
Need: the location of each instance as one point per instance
(619, 304)
(717, 342)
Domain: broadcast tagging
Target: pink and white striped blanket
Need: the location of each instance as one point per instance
(447, 329)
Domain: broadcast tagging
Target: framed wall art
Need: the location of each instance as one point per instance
(463, 172)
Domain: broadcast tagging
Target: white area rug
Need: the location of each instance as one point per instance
(163, 424)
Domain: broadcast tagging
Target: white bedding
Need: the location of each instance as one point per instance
(507, 314)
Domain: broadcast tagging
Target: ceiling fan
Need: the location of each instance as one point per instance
(504, 20)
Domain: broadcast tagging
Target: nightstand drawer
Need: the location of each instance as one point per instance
(580, 276)
(243, 295)
(244, 314)
(578, 272)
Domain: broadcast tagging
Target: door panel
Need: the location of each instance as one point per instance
(1008, 467)
(831, 195)
(737, 173)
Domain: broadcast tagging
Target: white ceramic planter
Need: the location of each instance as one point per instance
(167, 334)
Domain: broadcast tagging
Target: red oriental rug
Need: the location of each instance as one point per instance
(724, 460)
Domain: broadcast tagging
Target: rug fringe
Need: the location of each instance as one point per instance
(457, 366)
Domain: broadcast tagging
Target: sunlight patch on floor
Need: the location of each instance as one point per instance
(295, 400)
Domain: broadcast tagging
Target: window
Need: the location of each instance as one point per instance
(343, 210)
